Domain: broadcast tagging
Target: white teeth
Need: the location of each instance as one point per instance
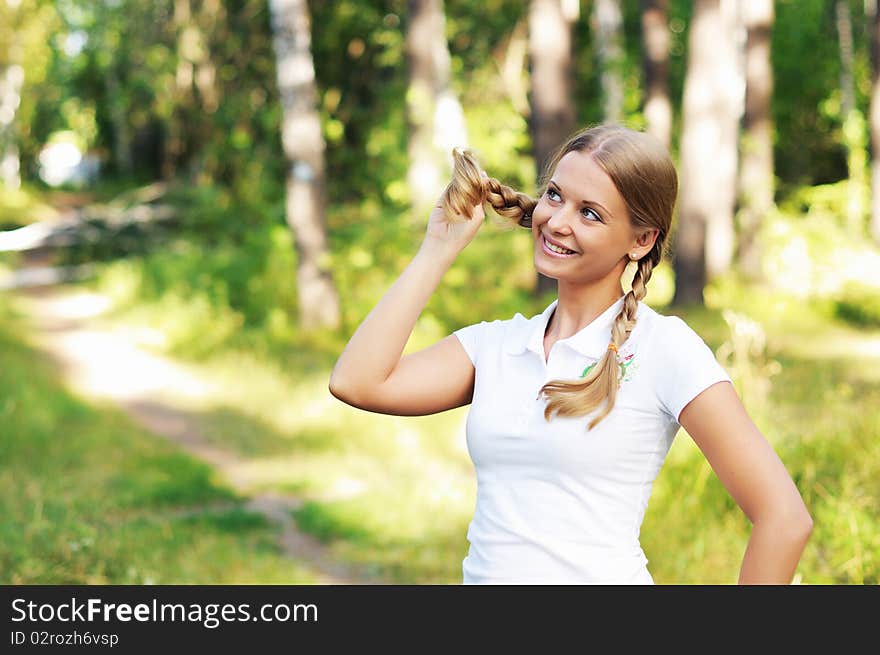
(555, 248)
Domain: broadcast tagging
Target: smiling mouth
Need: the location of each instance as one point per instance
(557, 250)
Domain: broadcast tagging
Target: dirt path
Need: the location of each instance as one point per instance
(98, 364)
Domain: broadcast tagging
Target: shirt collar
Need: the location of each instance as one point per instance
(590, 341)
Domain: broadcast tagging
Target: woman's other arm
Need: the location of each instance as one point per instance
(757, 480)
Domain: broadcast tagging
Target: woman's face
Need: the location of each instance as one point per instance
(582, 213)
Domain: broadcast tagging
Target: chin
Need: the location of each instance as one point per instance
(541, 268)
(548, 274)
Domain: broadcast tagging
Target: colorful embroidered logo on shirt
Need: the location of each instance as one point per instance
(626, 368)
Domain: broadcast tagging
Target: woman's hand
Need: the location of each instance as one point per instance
(451, 234)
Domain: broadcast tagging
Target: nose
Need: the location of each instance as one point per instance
(560, 220)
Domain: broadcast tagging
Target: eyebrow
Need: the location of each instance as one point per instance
(609, 215)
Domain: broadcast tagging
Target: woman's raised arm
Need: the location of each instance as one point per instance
(370, 373)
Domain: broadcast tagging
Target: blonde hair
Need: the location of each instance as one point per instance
(644, 175)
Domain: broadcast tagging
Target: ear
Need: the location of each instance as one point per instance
(645, 241)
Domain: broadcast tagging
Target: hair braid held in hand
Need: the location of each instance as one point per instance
(644, 175)
(469, 188)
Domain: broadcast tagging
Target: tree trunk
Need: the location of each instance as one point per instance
(11, 80)
(195, 89)
(730, 78)
(304, 151)
(875, 122)
(655, 34)
(845, 41)
(552, 110)
(435, 116)
(175, 146)
(853, 121)
(608, 30)
(708, 152)
(205, 72)
(756, 173)
(511, 59)
(119, 119)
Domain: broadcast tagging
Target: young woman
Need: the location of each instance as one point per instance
(574, 410)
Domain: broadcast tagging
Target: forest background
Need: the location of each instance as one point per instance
(241, 180)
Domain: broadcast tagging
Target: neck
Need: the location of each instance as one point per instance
(578, 306)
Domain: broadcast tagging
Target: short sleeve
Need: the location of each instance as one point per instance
(471, 338)
(687, 366)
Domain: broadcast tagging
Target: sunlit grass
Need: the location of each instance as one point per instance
(394, 475)
(822, 416)
(88, 498)
(380, 490)
(22, 206)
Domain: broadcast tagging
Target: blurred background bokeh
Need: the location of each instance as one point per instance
(201, 199)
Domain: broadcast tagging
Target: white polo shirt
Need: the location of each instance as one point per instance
(557, 504)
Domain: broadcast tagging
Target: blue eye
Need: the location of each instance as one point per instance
(590, 214)
(586, 212)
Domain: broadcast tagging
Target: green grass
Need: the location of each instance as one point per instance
(822, 416)
(88, 498)
(19, 207)
(391, 494)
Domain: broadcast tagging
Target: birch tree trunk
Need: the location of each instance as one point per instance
(195, 87)
(875, 121)
(608, 30)
(704, 239)
(843, 21)
(435, 116)
(512, 61)
(552, 110)
(756, 172)
(304, 151)
(211, 14)
(655, 35)
(11, 81)
(853, 121)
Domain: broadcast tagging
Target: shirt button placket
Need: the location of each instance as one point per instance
(529, 412)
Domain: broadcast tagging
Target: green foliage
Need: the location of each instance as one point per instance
(19, 207)
(809, 145)
(811, 249)
(29, 33)
(202, 297)
(498, 134)
(361, 77)
(134, 61)
(859, 304)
